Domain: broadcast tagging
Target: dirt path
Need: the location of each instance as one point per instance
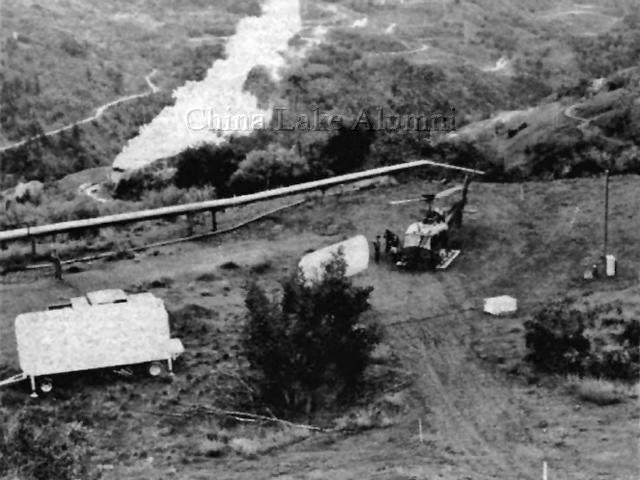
(91, 191)
(411, 51)
(478, 423)
(153, 88)
(585, 123)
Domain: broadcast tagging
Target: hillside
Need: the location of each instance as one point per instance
(582, 133)
(63, 60)
(411, 57)
(545, 95)
(484, 413)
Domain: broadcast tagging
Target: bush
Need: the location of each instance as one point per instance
(38, 447)
(138, 182)
(555, 338)
(310, 342)
(207, 165)
(599, 342)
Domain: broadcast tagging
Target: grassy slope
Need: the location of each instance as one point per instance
(599, 126)
(444, 61)
(85, 54)
(531, 241)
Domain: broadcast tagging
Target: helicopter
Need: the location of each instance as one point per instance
(425, 245)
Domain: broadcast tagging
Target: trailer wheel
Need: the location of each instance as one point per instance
(46, 385)
(155, 369)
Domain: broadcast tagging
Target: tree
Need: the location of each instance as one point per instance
(310, 346)
(263, 169)
(207, 165)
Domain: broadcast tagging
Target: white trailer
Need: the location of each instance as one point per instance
(105, 328)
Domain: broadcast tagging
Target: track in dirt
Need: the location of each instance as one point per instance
(529, 241)
(468, 410)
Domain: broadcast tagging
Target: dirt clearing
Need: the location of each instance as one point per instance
(481, 418)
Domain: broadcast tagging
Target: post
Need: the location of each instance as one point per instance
(170, 366)
(605, 245)
(33, 246)
(32, 381)
(214, 222)
(189, 224)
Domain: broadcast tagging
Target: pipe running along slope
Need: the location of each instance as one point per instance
(218, 204)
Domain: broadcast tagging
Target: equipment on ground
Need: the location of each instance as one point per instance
(102, 329)
(500, 305)
(355, 252)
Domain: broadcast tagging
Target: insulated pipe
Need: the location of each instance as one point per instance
(174, 210)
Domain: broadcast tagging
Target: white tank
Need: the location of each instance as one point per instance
(610, 265)
(354, 249)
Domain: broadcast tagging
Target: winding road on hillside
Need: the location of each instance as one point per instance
(91, 190)
(153, 88)
(585, 123)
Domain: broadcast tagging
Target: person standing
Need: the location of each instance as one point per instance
(57, 264)
(376, 249)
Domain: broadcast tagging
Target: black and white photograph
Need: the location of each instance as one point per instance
(319, 239)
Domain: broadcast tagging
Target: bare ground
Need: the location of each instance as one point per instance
(482, 416)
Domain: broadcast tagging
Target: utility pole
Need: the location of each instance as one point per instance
(606, 215)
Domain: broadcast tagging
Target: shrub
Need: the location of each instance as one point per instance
(135, 184)
(311, 341)
(600, 342)
(555, 338)
(38, 447)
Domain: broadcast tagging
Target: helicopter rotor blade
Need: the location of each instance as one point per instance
(409, 200)
(443, 194)
(449, 191)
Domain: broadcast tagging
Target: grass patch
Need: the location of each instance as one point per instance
(267, 441)
(598, 391)
(363, 419)
(190, 321)
(261, 267)
(207, 277)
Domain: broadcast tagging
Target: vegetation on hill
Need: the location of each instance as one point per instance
(61, 61)
(351, 71)
(601, 342)
(36, 446)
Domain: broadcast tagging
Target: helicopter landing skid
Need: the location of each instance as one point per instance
(447, 259)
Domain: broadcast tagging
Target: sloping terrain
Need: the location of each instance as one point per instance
(61, 60)
(530, 240)
(570, 136)
(64, 59)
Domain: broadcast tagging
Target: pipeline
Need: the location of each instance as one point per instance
(213, 205)
(172, 241)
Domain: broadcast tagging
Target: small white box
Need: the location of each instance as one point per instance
(501, 304)
(611, 266)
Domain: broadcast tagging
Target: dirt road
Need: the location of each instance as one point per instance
(153, 88)
(479, 422)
